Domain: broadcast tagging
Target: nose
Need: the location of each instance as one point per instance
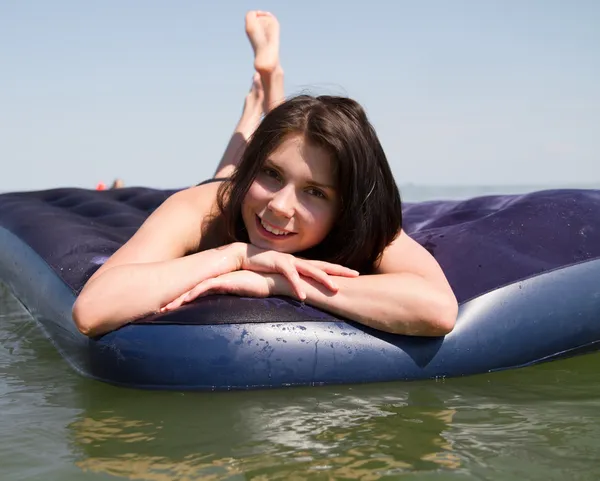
(283, 202)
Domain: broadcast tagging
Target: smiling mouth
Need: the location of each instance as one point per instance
(271, 232)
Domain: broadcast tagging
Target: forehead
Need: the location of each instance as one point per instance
(298, 157)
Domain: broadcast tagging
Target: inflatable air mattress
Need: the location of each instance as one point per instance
(525, 269)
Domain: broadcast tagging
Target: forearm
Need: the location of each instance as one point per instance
(398, 303)
(127, 292)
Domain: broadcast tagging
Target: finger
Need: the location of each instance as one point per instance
(334, 269)
(200, 289)
(318, 275)
(289, 271)
(189, 296)
(338, 270)
(174, 304)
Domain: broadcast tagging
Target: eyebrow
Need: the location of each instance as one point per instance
(322, 186)
(314, 183)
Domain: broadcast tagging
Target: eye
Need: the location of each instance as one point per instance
(316, 193)
(269, 172)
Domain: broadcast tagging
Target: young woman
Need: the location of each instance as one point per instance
(304, 206)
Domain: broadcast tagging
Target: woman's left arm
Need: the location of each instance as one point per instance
(407, 294)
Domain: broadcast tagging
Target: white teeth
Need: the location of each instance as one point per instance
(271, 229)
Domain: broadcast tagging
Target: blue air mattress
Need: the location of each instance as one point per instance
(526, 271)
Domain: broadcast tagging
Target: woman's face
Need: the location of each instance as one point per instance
(292, 204)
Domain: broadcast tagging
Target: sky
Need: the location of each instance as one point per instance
(461, 92)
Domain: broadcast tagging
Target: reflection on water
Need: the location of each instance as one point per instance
(467, 427)
(332, 433)
(534, 423)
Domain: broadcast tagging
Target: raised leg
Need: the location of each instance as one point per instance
(267, 89)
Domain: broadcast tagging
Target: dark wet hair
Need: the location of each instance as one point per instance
(370, 215)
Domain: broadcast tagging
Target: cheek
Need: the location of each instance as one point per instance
(329, 217)
(256, 193)
(322, 217)
(250, 200)
(248, 205)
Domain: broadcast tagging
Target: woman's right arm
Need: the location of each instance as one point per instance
(152, 271)
(152, 268)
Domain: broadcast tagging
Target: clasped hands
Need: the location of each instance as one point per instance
(264, 273)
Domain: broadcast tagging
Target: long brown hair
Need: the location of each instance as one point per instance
(370, 213)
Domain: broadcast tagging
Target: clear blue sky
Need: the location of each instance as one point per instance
(460, 92)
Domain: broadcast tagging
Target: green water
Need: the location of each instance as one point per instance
(535, 423)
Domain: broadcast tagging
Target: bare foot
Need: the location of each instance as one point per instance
(253, 108)
(262, 29)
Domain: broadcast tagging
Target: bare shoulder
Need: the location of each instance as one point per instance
(405, 254)
(171, 231)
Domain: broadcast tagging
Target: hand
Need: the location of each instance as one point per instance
(239, 283)
(291, 267)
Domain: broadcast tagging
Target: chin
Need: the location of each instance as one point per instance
(262, 243)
